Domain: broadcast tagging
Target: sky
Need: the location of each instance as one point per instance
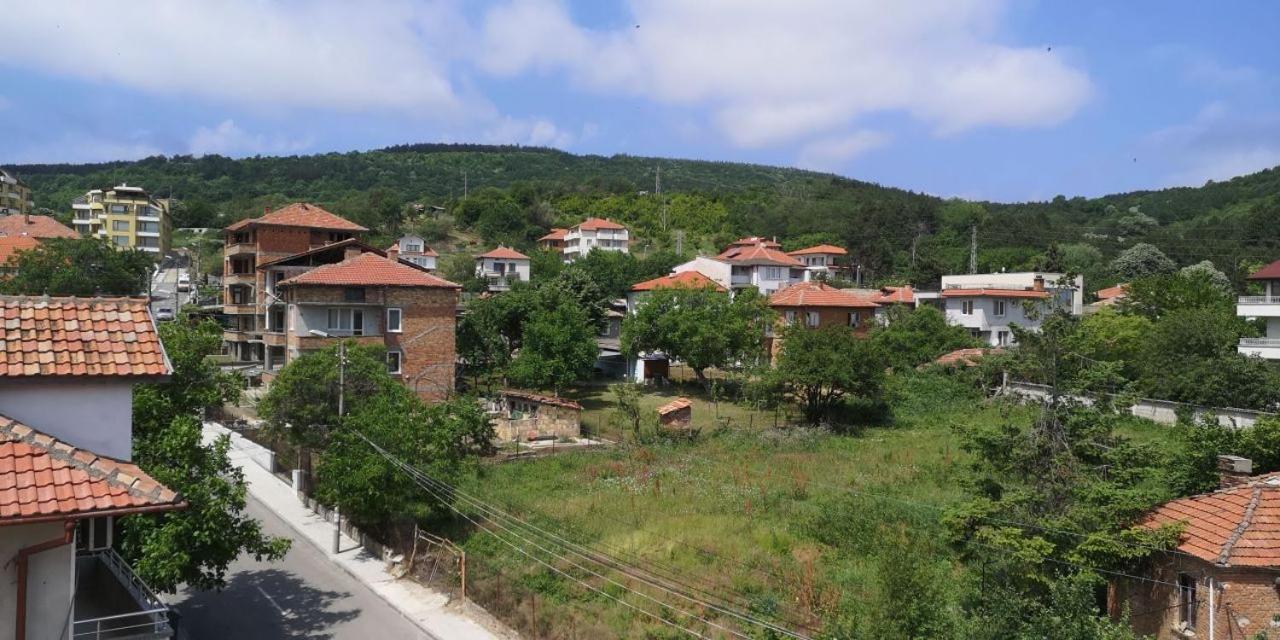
(1004, 100)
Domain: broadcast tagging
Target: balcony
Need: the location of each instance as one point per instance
(1268, 348)
(1258, 306)
(240, 277)
(112, 602)
(239, 308)
(739, 280)
(239, 249)
(274, 339)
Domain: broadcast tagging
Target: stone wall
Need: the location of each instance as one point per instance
(549, 420)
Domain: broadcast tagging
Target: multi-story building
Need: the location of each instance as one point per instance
(820, 260)
(15, 195)
(595, 233)
(65, 476)
(502, 267)
(293, 231)
(816, 305)
(413, 249)
(749, 263)
(370, 299)
(553, 241)
(1266, 307)
(128, 217)
(988, 304)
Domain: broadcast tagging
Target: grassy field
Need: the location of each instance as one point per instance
(787, 523)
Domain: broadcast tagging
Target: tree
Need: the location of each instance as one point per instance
(557, 346)
(1140, 260)
(1191, 357)
(196, 545)
(701, 327)
(911, 337)
(490, 331)
(1206, 272)
(1156, 295)
(79, 267)
(822, 367)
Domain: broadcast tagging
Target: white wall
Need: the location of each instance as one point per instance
(709, 267)
(93, 415)
(49, 581)
(488, 265)
(1019, 280)
(984, 319)
(767, 285)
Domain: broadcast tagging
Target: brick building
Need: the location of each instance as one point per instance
(1223, 573)
(370, 299)
(818, 304)
(520, 415)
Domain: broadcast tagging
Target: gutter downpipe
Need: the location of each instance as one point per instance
(24, 554)
(1212, 588)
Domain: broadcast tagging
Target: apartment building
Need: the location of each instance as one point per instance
(292, 232)
(820, 260)
(749, 263)
(595, 233)
(989, 304)
(502, 268)
(370, 299)
(414, 250)
(1266, 307)
(127, 217)
(15, 195)
(65, 475)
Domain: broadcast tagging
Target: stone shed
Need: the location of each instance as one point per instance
(521, 415)
(676, 414)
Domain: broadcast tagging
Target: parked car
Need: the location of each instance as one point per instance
(184, 282)
(164, 314)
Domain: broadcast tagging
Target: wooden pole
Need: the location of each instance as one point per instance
(463, 560)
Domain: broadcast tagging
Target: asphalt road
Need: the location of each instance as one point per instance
(164, 291)
(303, 596)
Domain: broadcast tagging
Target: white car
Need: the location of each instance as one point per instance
(164, 314)
(184, 282)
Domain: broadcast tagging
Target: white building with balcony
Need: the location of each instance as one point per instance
(595, 233)
(502, 267)
(761, 266)
(990, 304)
(820, 260)
(413, 249)
(1265, 307)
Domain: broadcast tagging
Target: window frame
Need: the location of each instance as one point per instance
(399, 316)
(966, 307)
(998, 308)
(398, 356)
(812, 319)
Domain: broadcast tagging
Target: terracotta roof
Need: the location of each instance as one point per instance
(349, 242)
(758, 254)
(819, 249)
(34, 226)
(684, 279)
(751, 241)
(541, 399)
(966, 357)
(78, 337)
(300, 214)
(504, 253)
(897, 295)
(674, 405)
(11, 245)
(593, 224)
(43, 478)
(1269, 272)
(556, 234)
(819, 294)
(994, 293)
(1238, 526)
(1118, 291)
(369, 270)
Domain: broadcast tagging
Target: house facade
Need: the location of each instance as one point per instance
(743, 265)
(595, 233)
(414, 250)
(554, 240)
(988, 305)
(820, 260)
(816, 305)
(127, 217)
(1265, 307)
(15, 195)
(502, 267)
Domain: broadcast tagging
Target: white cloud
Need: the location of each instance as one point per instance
(780, 72)
(1218, 144)
(228, 139)
(831, 153)
(537, 132)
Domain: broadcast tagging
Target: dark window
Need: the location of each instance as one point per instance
(353, 294)
(1187, 602)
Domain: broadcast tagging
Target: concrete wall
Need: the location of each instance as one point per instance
(548, 420)
(95, 415)
(1162, 411)
(49, 582)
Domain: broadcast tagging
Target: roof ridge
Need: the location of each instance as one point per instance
(1245, 522)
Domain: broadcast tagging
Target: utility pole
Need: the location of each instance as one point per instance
(657, 189)
(973, 248)
(464, 184)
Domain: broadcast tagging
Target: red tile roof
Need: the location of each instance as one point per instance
(35, 227)
(758, 254)
(593, 224)
(994, 293)
(11, 245)
(556, 234)
(541, 399)
(897, 295)
(504, 253)
(349, 242)
(684, 279)
(819, 294)
(1118, 291)
(44, 479)
(1238, 526)
(751, 241)
(674, 405)
(95, 337)
(301, 214)
(369, 270)
(819, 249)
(1269, 272)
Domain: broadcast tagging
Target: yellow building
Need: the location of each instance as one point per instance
(15, 196)
(125, 216)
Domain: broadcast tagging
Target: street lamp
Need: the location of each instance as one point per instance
(342, 362)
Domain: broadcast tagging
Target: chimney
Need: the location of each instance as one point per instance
(266, 209)
(393, 253)
(1038, 283)
(350, 251)
(1233, 471)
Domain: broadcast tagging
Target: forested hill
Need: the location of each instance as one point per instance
(513, 194)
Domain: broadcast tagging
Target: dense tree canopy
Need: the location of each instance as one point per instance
(79, 267)
(700, 327)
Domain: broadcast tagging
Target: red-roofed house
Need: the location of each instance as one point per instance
(818, 304)
(819, 259)
(682, 279)
(989, 304)
(68, 366)
(553, 241)
(1265, 306)
(39, 227)
(761, 266)
(370, 299)
(1222, 575)
(595, 233)
(502, 267)
(10, 246)
(413, 249)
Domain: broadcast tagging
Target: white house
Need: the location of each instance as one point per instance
(989, 304)
(759, 265)
(1266, 306)
(502, 267)
(66, 380)
(595, 233)
(647, 367)
(819, 260)
(413, 249)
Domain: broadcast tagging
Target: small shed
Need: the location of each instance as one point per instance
(676, 414)
(521, 415)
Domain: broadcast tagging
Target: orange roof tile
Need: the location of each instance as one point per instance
(541, 399)
(819, 294)
(11, 245)
(674, 405)
(593, 224)
(556, 234)
(819, 249)
(897, 295)
(369, 270)
(300, 214)
(95, 337)
(758, 254)
(43, 478)
(684, 279)
(994, 293)
(504, 253)
(1118, 291)
(1238, 526)
(35, 227)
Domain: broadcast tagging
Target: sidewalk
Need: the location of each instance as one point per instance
(429, 609)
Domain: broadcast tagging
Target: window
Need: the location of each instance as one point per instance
(94, 534)
(966, 307)
(998, 306)
(153, 227)
(1187, 603)
(120, 241)
(811, 319)
(773, 273)
(353, 294)
(337, 237)
(412, 248)
(148, 242)
(853, 318)
(393, 320)
(393, 362)
(119, 225)
(1002, 338)
(348, 321)
(119, 208)
(791, 317)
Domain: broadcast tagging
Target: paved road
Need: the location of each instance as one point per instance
(164, 291)
(303, 596)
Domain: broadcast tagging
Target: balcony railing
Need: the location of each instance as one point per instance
(1260, 342)
(131, 610)
(1258, 300)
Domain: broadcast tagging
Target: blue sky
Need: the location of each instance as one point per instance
(996, 99)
